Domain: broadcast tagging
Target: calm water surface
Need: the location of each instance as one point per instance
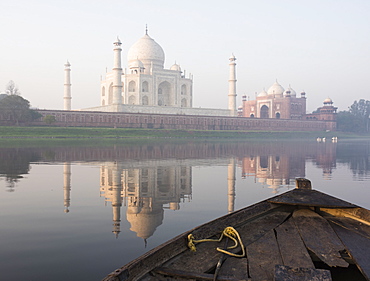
(78, 213)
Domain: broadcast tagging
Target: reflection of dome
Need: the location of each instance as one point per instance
(262, 94)
(148, 51)
(146, 222)
(176, 67)
(276, 89)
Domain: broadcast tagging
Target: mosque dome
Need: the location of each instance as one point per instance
(291, 91)
(147, 51)
(262, 94)
(276, 89)
(176, 67)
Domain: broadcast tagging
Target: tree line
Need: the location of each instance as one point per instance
(356, 118)
(16, 108)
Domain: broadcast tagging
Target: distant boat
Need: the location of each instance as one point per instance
(302, 234)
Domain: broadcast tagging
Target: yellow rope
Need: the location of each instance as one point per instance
(229, 232)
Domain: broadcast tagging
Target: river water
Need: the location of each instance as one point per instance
(79, 212)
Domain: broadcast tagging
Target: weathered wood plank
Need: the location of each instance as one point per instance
(292, 249)
(312, 198)
(287, 273)
(205, 258)
(236, 268)
(360, 214)
(319, 237)
(257, 228)
(358, 246)
(192, 275)
(170, 249)
(352, 224)
(263, 255)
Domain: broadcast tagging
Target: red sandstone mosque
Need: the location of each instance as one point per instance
(284, 104)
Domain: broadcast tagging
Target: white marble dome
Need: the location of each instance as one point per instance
(147, 51)
(176, 67)
(276, 89)
(262, 94)
(136, 64)
(292, 92)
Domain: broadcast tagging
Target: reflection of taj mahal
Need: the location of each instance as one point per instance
(146, 190)
(147, 187)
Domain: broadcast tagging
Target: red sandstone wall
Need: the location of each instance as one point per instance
(185, 122)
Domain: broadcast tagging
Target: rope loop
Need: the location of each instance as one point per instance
(228, 232)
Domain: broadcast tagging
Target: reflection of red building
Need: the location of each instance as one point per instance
(326, 157)
(274, 170)
(274, 165)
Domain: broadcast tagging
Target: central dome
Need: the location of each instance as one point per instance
(276, 89)
(147, 51)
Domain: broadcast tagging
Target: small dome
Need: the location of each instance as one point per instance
(276, 89)
(291, 92)
(328, 101)
(176, 67)
(147, 51)
(136, 64)
(262, 94)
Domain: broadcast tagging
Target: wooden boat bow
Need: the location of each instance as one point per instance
(302, 234)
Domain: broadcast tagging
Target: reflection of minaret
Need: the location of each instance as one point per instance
(231, 185)
(116, 200)
(67, 186)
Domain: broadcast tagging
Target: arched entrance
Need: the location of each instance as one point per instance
(183, 103)
(145, 100)
(264, 111)
(277, 115)
(164, 94)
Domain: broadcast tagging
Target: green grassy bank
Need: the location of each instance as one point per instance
(110, 133)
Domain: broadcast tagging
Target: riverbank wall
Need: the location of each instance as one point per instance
(67, 118)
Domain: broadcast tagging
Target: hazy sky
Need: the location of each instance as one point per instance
(319, 46)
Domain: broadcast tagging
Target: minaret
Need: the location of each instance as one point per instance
(116, 199)
(117, 73)
(67, 186)
(232, 86)
(231, 185)
(67, 86)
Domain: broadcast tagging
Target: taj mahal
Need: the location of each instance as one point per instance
(146, 87)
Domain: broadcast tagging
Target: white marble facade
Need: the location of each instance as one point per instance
(146, 82)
